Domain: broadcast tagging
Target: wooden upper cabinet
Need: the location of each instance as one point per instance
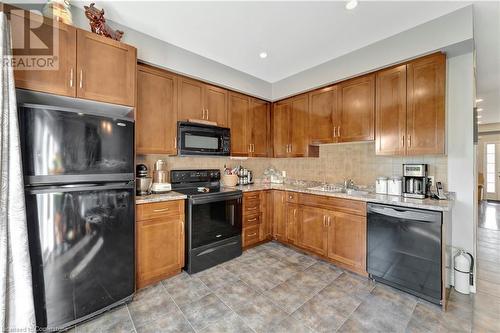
(62, 79)
(106, 69)
(323, 117)
(347, 240)
(239, 106)
(312, 230)
(356, 103)
(191, 99)
(156, 114)
(425, 105)
(216, 103)
(258, 123)
(390, 111)
(290, 127)
(280, 128)
(298, 128)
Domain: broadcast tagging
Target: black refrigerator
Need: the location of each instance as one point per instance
(79, 187)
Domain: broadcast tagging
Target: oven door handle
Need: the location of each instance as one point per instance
(215, 198)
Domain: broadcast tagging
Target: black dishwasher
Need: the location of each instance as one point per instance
(404, 249)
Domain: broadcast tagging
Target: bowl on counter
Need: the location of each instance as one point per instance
(229, 180)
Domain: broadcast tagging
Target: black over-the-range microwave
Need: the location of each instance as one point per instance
(200, 139)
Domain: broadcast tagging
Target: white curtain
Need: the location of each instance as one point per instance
(16, 294)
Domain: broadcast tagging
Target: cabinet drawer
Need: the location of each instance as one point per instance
(251, 206)
(255, 195)
(292, 197)
(160, 209)
(251, 235)
(250, 220)
(337, 204)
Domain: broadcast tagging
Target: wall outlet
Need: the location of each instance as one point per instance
(431, 179)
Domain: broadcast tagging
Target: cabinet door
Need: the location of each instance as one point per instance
(347, 239)
(60, 81)
(239, 105)
(280, 128)
(322, 115)
(425, 105)
(160, 249)
(357, 109)
(156, 115)
(106, 69)
(259, 125)
(298, 129)
(266, 213)
(216, 105)
(190, 99)
(279, 215)
(312, 230)
(390, 111)
(292, 212)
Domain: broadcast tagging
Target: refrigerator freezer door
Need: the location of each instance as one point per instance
(82, 249)
(63, 146)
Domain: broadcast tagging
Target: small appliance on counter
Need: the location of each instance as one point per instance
(415, 181)
(395, 186)
(381, 185)
(160, 175)
(142, 180)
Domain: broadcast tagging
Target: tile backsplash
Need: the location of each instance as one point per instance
(336, 163)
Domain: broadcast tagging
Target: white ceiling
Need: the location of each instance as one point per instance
(300, 35)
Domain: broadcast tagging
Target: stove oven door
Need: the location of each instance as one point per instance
(214, 226)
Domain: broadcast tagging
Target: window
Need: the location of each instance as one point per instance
(490, 168)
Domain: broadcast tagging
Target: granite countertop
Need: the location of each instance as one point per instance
(141, 199)
(430, 204)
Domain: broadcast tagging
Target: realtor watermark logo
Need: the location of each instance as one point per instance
(35, 40)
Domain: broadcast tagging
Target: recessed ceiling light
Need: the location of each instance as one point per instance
(479, 116)
(351, 4)
(479, 122)
(480, 109)
(479, 100)
(263, 55)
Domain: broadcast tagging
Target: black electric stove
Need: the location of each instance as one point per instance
(213, 218)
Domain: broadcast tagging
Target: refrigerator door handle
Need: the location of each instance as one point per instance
(81, 187)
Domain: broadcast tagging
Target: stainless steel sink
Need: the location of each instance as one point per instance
(328, 188)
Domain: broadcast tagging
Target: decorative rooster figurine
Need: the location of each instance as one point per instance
(98, 23)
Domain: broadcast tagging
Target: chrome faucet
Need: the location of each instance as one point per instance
(349, 184)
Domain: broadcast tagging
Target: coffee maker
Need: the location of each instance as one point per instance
(415, 181)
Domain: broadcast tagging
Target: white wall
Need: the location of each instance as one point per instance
(447, 31)
(461, 149)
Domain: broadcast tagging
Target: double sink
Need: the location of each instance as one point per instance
(329, 188)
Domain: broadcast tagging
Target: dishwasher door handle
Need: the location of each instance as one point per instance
(413, 215)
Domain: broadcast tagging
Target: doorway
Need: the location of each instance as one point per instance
(491, 170)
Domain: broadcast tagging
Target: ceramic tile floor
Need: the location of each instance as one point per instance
(272, 288)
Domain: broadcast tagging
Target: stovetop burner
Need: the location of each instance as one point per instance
(198, 182)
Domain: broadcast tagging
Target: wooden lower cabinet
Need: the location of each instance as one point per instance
(329, 227)
(279, 215)
(312, 229)
(159, 241)
(266, 225)
(347, 240)
(292, 218)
